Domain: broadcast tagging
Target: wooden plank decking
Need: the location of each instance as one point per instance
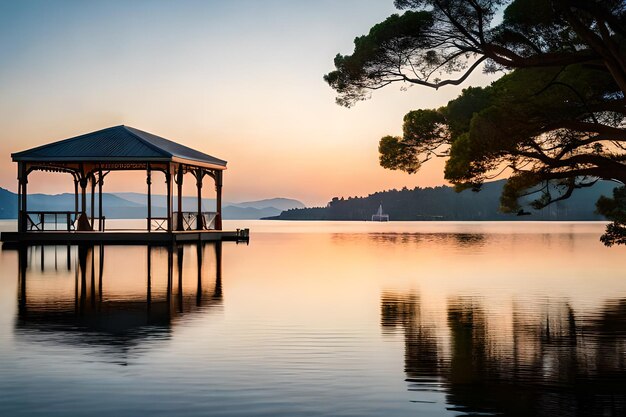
(123, 237)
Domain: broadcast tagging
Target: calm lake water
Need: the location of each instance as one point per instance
(320, 319)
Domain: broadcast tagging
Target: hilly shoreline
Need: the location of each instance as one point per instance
(443, 203)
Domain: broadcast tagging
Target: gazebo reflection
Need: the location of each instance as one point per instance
(114, 297)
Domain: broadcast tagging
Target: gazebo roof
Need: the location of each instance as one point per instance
(117, 144)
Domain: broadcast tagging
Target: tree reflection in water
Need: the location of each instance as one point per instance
(552, 362)
(128, 311)
(460, 240)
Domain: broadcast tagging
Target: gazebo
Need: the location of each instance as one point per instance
(90, 157)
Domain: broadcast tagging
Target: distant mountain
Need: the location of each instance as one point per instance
(8, 204)
(277, 203)
(249, 213)
(113, 206)
(160, 200)
(190, 203)
(443, 203)
(134, 205)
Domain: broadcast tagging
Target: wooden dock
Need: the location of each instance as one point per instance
(123, 237)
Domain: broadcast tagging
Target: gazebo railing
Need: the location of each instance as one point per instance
(50, 220)
(39, 221)
(190, 220)
(158, 224)
(209, 220)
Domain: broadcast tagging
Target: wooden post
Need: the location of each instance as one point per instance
(199, 255)
(20, 219)
(83, 196)
(180, 250)
(149, 285)
(168, 184)
(76, 195)
(76, 309)
(82, 265)
(200, 217)
(19, 191)
(217, 293)
(83, 221)
(179, 182)
(24, 198)
(170, 266)
(93, 199)
(22, 267)
(218, 200)
(93, 278)
(149, 182)
(100, 185)
(101, 271)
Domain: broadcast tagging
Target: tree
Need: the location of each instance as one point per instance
(556, 118)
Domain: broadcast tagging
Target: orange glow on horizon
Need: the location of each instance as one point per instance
(275, 120)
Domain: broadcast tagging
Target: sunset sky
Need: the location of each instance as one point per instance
(240, 80)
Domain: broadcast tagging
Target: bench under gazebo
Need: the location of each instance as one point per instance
(89, 158)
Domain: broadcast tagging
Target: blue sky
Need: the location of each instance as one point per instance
(241, 80)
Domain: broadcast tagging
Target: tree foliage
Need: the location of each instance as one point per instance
(555, 121)
(436, 38)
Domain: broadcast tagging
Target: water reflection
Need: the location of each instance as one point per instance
(548, 360)
(512, 322)
(98, 297)
(458, 240)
